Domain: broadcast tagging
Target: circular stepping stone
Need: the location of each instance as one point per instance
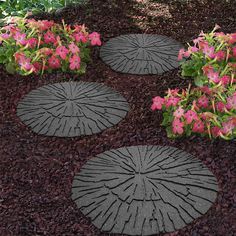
(144, 190)
(72, 109)
(141, 54)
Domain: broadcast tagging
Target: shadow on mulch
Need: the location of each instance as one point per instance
(36, 172)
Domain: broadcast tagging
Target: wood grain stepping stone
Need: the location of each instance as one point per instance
(72, 109)
(144, 190)
(141, 54)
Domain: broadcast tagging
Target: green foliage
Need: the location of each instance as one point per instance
(21, 7)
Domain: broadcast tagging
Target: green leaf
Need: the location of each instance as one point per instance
(199, 81)
(10, 67)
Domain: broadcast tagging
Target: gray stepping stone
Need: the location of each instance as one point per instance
(72, 109)
(144, 190)
(141, 54)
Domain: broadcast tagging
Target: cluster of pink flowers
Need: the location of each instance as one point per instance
(45, 46)
(210, 108)
(198, 111)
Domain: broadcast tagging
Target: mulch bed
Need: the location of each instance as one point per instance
(36, 172)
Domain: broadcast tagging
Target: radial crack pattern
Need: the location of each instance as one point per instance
(144, 190)
(141, 54)
(72, 109)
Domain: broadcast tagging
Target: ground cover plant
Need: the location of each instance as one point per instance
(36, 172)
(209, 109)
(30, 46)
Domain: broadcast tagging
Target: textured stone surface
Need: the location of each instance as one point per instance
(144, 190)
(71, 109)
(141, 54)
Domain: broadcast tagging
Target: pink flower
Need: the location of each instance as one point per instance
(198, 126)
(215, 131)
(234, 51)
(232, 38)
(183, 53)
(197, 40)
(20, 38)
(4, 36)
(54, 62)
(220, 55)
(207, 68)
(157, 103)
(25, 64)
(193, 49)
(209, 51)
(225, 79)
(172, 101)
(179, 112)
(80, 37)
(227, 127)
(213, 76)
(46, 51)
(42, 25)
(95, 39)
(62, 51)
(173, 92)
(190, 115)
(74, 62)
(19, 56)
(177, 126)
(32, 42)
(220, 106)
(49, 37)
(206, 90)
(203, 101)
(73, 48)
(231, 102)
(38, 66)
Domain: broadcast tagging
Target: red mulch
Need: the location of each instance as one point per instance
(36, 172)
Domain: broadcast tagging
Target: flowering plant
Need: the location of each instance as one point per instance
(201, 110)
(30, 46)
(210, 108)
(211, 60)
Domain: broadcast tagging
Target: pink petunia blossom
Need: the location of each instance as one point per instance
(232, 38)
(203, 101)
(190, 116)
(220, 106)
(38, 66)
(234, 51)
(227, 127)
(157, 103)
(198, 126)
(95, 39)
(225, 79)
(20, 38)
(74, 62)
(183, 53)
(220, 55)
(4, 36)
(209, 51)
(32, 42)
(54, 62)
(197, 40)
(25, 64)
(80, 37)
(231, 102)
(19, 56)
(193, 49)
(215, 131)
(179, 112)
(49, 37)
(172, 101)
(74, 48)
(177, 126)
(213, 76)
(62, 51)
(207, 68)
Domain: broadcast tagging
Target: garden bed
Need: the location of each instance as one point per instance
(36, 172)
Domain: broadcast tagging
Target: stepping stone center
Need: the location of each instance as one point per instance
(144, 190)
(141, 54)
(71, 109)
